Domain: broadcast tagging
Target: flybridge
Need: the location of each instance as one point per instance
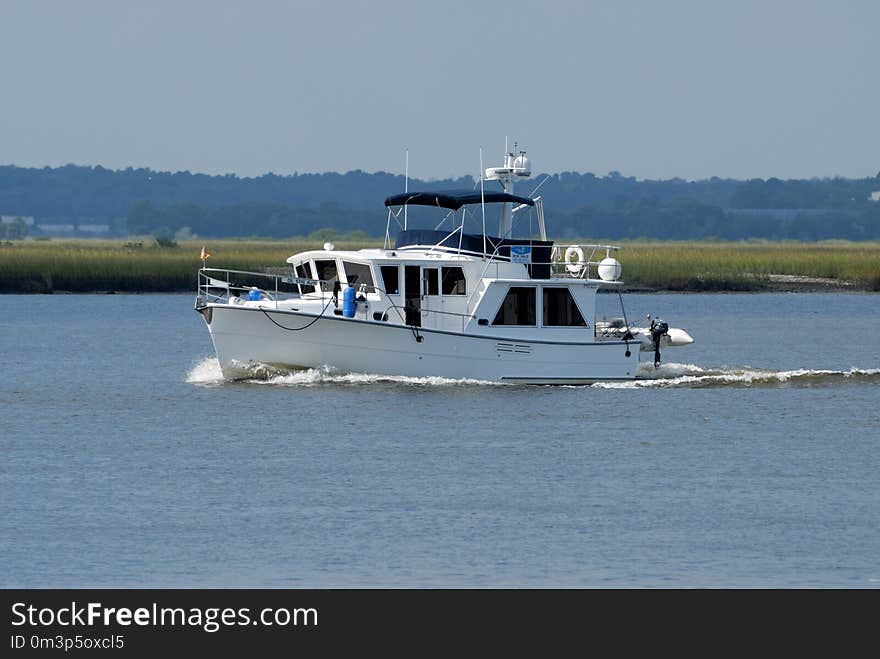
(515, 167)
(455, 199)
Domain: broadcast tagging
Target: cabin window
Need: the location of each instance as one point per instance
(391, 279)
(560, 309)
(518, 307)
(454, 282)
(302, 271)
(359, 276)
(327, 274)
(431, 277)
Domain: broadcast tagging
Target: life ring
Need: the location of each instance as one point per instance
(574, 260)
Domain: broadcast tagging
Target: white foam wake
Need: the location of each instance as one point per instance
(325, 375)
(207, 372)
(691, 375)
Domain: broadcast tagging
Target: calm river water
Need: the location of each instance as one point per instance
(751, 458)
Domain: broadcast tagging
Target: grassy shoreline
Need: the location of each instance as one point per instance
(139, 265)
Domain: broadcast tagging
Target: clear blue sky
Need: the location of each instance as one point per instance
(653, 89)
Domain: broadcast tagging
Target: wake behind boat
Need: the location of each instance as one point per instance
(438, 302)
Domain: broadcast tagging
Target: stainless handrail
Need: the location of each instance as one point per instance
(560, 264)
(206, 278)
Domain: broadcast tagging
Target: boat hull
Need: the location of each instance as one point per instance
(244, 336)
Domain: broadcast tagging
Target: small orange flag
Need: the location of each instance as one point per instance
(205, 253)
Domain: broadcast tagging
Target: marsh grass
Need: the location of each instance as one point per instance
(145, 266)
(748, 265)
(131, 265)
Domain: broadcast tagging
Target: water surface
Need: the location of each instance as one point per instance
(749, 459)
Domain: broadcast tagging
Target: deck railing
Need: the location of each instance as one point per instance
(579, 261)
(221, 284)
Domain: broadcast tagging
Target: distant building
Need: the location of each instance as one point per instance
(93, 228)
(57, 228)
(785, 213)
(875, 196)
(10, 219)
(73, 227)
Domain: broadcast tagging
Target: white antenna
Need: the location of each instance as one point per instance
(405, 185)
(546, 178)
(482, 202)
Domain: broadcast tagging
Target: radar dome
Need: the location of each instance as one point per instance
(609, 269)
(522, 166)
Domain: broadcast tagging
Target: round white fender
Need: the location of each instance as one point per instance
(574, 260)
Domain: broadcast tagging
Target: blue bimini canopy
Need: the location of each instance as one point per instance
(454, 199)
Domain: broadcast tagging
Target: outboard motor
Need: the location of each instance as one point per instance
(658, 329)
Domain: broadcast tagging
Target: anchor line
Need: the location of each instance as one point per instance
(297, 329)
(628, 335)
(414, 328)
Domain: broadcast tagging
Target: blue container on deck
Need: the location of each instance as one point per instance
(254, 295)
(348, 302)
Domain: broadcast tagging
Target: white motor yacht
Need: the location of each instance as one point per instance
(445, 301)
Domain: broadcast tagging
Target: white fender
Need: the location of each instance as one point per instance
(675, 337)
(678, 337)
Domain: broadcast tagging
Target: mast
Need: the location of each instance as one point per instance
(482, 205)
(515, 166)
(405, 185)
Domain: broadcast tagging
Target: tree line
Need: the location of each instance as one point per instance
(680, 220)
(144, 201)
